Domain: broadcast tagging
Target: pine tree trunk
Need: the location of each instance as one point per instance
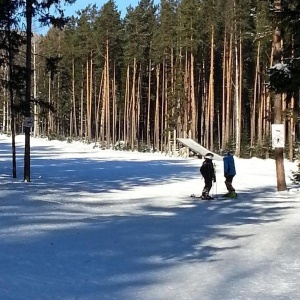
(163, 112)
(229, 91)
(253, 106)
(224, 88)
(239, 111)
(156, 118)
(35, 107)
(193, 127)
(98, 113)
(9, 76)
(107, 99)
(211, 95)
(281, 183)
(81, 105)
(127, 107)
(166, 102)
(114, 107)
(203, 107)
(29, 13)
(138, 107)
(148, 103)
(104, 108)
(89, 87)
(237, 91)
(49, 101)
(4, 72)
(291, 129)
(87, 96)
(133, 106)
(73, 109)
(186, 101)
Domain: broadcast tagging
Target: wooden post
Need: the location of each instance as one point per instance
(174, 142)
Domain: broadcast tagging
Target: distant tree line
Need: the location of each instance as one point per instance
(200, 68)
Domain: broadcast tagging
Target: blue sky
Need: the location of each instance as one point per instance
(81, 4)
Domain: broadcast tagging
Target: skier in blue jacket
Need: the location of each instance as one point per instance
(229, 173)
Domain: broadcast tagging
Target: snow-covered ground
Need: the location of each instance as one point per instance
(98, 224)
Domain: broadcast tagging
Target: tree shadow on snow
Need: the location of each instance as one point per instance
(61, 249)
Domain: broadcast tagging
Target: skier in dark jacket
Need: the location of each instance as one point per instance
(229, 173)
(208, 172)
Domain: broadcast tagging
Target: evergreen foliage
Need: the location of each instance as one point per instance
(285, 76)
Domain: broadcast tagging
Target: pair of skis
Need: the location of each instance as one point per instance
(215, 197)
(201, 198)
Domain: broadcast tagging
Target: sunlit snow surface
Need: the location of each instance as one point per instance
(101, 224)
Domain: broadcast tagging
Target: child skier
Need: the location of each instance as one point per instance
(208, 172)
(229, 173)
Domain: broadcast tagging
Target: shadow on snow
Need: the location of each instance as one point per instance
(100, 256)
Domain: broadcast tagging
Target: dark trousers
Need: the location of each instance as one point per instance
(207, 186)
(228, 183)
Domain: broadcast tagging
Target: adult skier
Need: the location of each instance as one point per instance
(208, 172)
(229, 173)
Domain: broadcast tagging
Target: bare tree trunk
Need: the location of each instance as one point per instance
(187, 95)
(114, 107)
(278, 152)
(156, 118)
(9, 76)
(239, 110)
(89, 86)
(133, 106)
(29, 12)
(237, 90)
(166, 115)
(291, 129)
(35, 107)
(224, 87)
(73, 121)
(281, 183)
(81, 106)
(138, 106)
(253, 106)
(103, 123)
(107, 98)
(193, 127)
(148, 103)
(50, 123)
(4, 73)
(97, 117)
(127, 107)
(211, 95)
(163, 112)
(228, 94)
(203, 129)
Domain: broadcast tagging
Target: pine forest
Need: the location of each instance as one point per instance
(218, 71)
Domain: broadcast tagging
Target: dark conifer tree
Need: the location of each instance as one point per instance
(11, 42)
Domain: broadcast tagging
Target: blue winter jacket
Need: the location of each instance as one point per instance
(229, 167)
